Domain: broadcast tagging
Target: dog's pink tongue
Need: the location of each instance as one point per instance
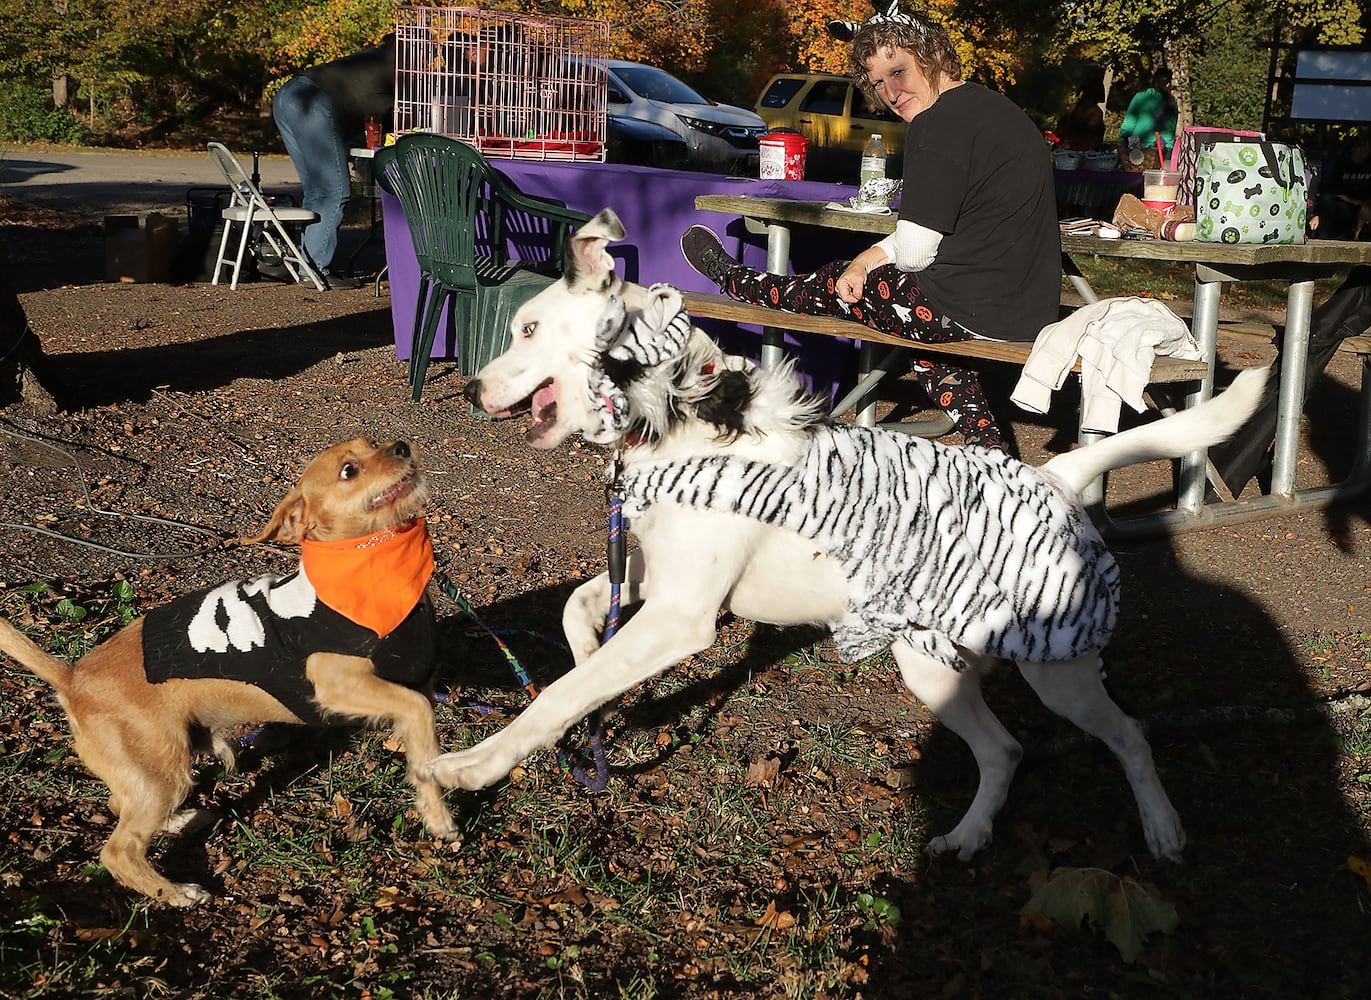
(544, 398)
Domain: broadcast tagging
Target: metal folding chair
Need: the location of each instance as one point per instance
(248, 207)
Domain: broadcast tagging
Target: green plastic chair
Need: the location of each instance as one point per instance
(465, 218)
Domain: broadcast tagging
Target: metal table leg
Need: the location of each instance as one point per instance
(777, 262)
(1204, 327)
(1299, 307)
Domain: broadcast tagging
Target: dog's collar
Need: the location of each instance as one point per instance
(707, 377)
(375, 581)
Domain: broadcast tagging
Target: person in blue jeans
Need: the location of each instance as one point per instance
(317, 113)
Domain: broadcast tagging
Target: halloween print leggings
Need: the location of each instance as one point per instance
(893, 303)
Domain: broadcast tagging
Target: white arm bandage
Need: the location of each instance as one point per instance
(911, 246)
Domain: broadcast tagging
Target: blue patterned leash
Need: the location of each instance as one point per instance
(616, 556)
(567, 758)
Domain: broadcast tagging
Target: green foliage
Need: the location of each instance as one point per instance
(879, 910)
(164, 65)
(304, 34)
(27, 115)
(1228, 79)
(75, 627)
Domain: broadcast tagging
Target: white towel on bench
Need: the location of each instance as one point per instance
(1117, 340)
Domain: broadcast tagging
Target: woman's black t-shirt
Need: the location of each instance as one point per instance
(977, 170)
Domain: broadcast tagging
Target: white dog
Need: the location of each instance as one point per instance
(743, 495)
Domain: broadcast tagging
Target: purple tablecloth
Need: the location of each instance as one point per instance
(656, 207)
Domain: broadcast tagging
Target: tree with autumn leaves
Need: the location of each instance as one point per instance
(174, 59)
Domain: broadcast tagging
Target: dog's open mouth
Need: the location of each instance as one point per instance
(402, 488)
(543, 405)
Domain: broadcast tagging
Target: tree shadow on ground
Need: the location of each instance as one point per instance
(1251, 762)
(100, 378)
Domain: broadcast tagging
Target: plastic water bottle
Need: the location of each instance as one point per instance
(873, 159)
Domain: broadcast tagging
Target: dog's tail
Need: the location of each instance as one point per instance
(1208, 424)
(22, 650)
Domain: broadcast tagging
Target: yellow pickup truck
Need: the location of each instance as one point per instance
(833, 115)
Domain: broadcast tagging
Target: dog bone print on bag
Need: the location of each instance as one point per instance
(1250, 192)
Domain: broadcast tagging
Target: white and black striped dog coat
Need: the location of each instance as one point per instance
(944, 547)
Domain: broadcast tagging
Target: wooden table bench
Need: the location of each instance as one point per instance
(871, 370)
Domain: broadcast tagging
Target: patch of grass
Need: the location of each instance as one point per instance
(1353, 733)
(1175, 281)
(71, 625)
(1317, 642)
(828, 745)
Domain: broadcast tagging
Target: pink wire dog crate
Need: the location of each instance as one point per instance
(512, 85)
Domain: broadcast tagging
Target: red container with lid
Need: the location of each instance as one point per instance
(782, 156)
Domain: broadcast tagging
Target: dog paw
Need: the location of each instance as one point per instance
(464, 769)
(448, 831)
(1166, 839)
(184, 894)
(188, 821)
(966, 844)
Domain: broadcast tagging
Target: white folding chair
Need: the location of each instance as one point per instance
(248, 206)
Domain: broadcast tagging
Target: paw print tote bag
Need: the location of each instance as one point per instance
(1250, 192)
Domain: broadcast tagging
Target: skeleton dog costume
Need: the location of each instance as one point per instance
(360, 597)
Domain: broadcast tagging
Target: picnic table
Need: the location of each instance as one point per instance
(1298, 266)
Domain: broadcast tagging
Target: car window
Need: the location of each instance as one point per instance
(860, 109)
(825, 98)
(780, 93)
(657, 85)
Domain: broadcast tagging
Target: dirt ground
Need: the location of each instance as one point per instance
(1244, 648)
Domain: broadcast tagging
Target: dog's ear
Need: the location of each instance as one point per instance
(288, 521)
(588, 265)
(659, 332)
(843, 30)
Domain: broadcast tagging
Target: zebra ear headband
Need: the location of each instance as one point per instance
(651, 337)
(890, 13)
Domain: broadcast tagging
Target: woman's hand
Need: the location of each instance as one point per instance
(850, 282)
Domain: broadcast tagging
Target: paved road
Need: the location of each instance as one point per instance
(111, 182)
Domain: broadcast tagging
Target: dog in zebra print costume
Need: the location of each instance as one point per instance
(944, 548)
(744, 495)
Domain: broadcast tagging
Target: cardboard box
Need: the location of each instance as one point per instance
(141, 254)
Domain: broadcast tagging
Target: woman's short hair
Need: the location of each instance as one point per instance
(929, 43)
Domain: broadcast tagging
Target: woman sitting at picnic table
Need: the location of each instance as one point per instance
(976, 251)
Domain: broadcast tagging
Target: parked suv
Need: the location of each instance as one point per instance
(719, 137)
(833, 115)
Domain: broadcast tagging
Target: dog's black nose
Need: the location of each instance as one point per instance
(400, 449)
(473, 392)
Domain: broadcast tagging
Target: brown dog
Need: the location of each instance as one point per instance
(349, 636)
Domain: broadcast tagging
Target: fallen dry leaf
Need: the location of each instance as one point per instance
(389, 897)
(774, 919)
(1359, 867)
(763, 773)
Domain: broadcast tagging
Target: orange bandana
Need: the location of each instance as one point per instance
(375, 581)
